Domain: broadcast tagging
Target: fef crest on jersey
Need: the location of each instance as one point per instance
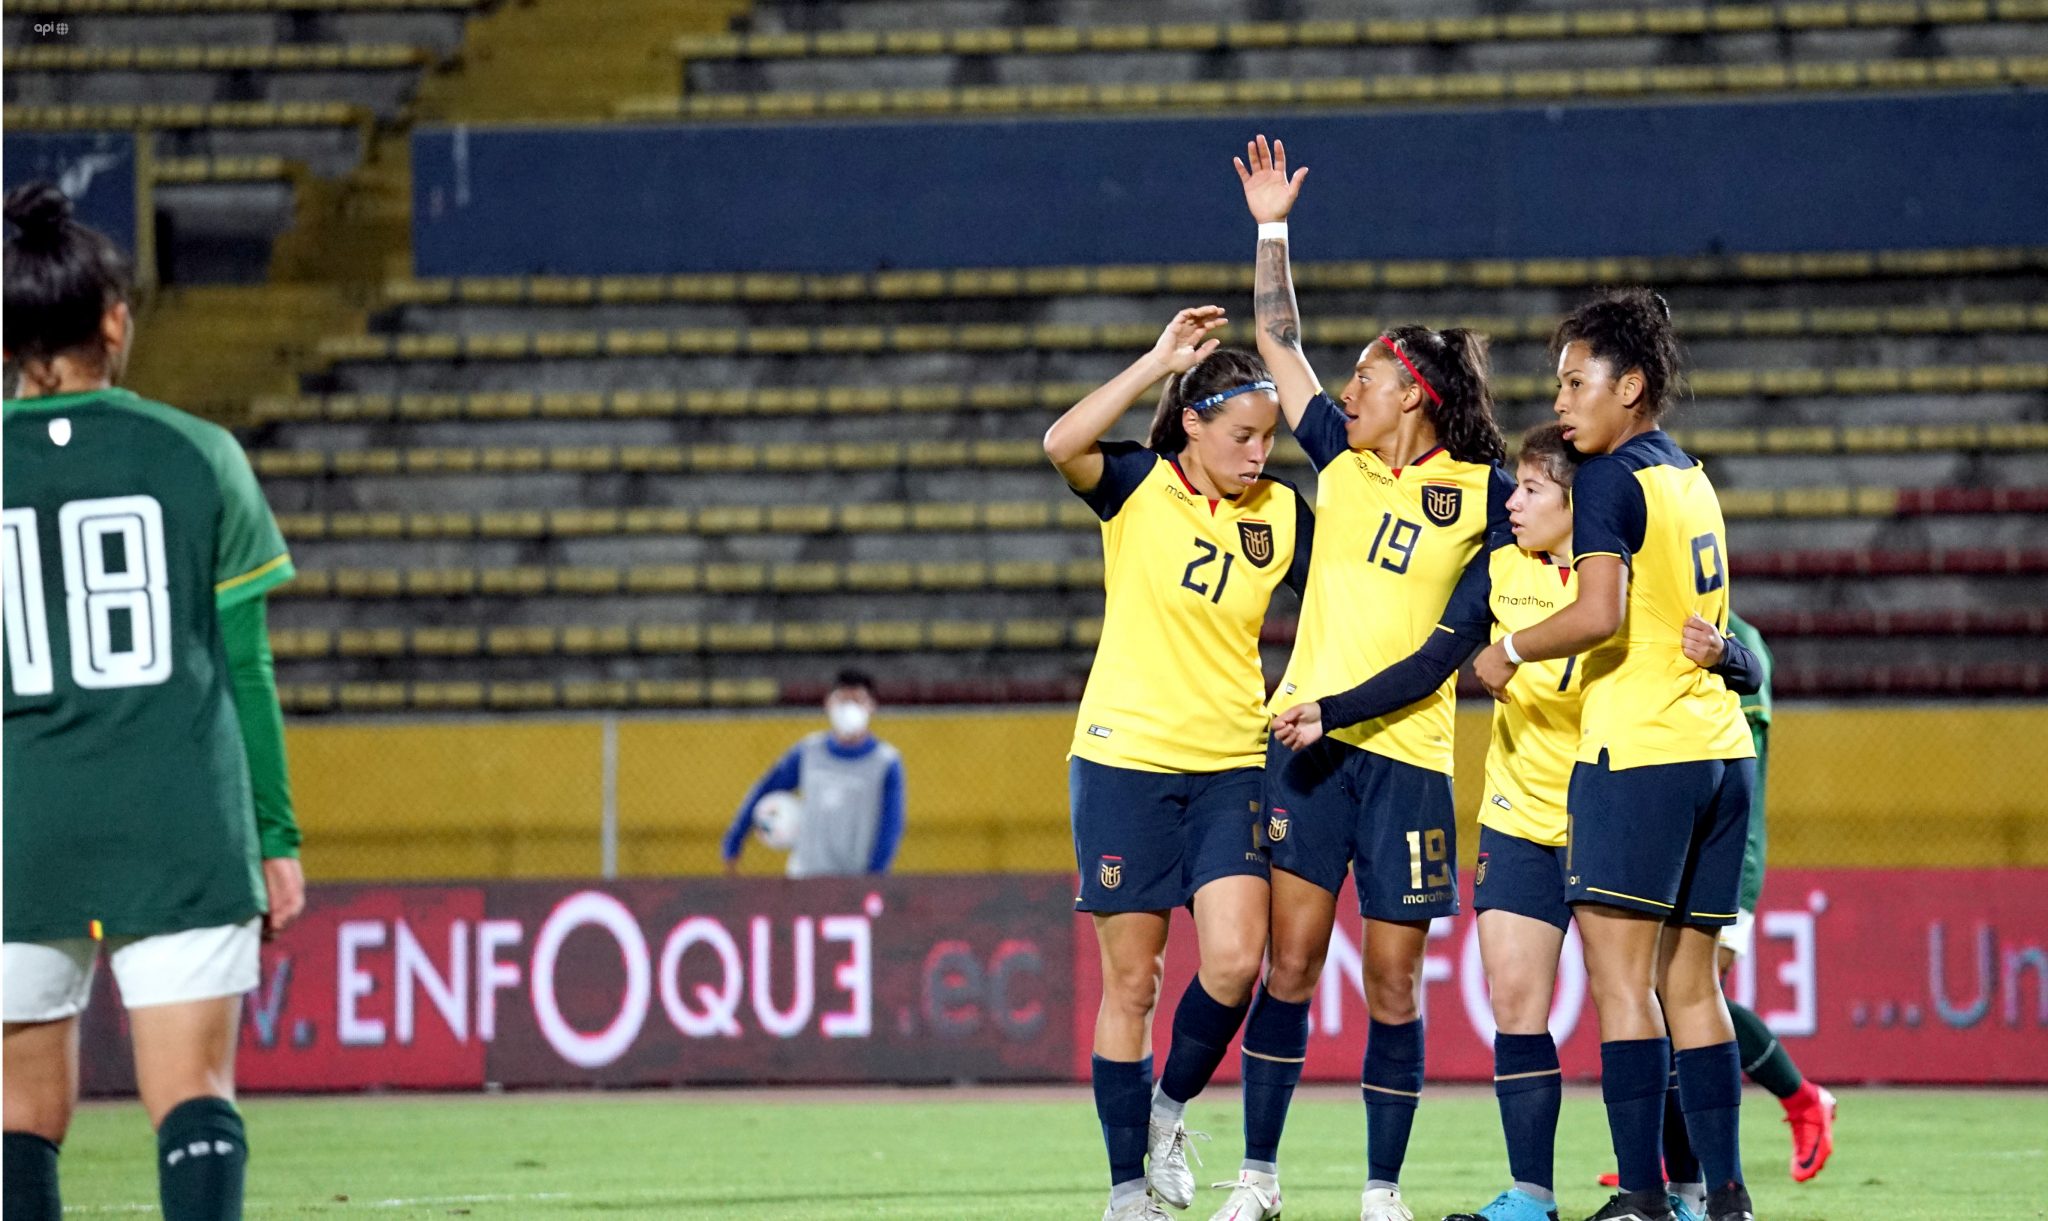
(1257, 537)
(1441, 502)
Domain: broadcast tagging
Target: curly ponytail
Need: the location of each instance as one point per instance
(1454, 363)
(1629, 328)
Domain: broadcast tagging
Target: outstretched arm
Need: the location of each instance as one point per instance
(1072, 443)
(1270, 194)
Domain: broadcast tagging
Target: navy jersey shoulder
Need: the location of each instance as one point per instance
(1609, 514)
(1125, 467)
(1321, 431)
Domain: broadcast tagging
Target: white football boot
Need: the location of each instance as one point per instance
(1383, 1204)
(1254, 1197)
(1167, 1169)
(1141, 1207)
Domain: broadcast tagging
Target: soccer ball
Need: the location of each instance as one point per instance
(776, 818)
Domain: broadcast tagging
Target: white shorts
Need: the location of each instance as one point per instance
(48, 980)
(1737, 938)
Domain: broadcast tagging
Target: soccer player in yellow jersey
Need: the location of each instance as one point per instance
(1519, 887)
(1408, 488)
(1660, 793)
(1165, 767)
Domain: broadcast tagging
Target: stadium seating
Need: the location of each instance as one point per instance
(584, 491)
(241, 103)
(841, 60)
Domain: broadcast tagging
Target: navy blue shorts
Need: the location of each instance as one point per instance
(1334, 806)
(1520, 876)
(1147, 841)
(1665, 839)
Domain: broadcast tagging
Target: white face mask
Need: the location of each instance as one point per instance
(849, 718)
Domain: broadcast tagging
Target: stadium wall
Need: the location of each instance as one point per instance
(1867, 975)
(1888, 172)
(1908, 786)
(100, 173)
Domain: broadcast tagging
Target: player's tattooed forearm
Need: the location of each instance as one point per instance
(1273, 295)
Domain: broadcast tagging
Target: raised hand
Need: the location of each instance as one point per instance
(1185, 341)
(1268, 191)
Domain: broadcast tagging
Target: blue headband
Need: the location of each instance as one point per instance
(1231, 393)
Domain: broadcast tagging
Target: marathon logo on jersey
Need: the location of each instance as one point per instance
(1110, 872)
(1098, 731)
(1441, 502)
(1257, 537)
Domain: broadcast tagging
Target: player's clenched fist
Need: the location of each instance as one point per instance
(1703, 643)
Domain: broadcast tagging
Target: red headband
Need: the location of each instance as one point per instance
(1394, 346)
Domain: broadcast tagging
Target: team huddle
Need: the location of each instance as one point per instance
(1588, 586)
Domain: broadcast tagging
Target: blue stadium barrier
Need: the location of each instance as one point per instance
(1539, 181)
(96, 169)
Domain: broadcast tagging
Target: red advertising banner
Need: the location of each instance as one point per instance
(1865, 975)
(651, 983)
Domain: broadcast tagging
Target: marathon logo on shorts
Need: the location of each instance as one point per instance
(1110, 872)
(1257, 537)
(1441, 502)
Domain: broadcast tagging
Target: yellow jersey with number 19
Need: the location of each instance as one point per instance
(1391, 544)
(1177, 685)
(1650, 504)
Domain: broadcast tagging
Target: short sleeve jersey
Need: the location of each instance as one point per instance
(1534, 738)
(129, 524)
(1176, 685)
(1390, 544)
(1651, 504)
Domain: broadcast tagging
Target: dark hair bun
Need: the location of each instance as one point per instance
(40, 211)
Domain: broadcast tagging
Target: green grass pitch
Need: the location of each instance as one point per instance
(1905, 1155)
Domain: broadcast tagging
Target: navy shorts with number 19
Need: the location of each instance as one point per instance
(1335, 807)
(1147, 841)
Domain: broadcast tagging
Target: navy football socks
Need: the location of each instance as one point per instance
(1275, 1045)
(1710, 1088)
(1123, 1102)
(1392, 1083)
(1202, 1030)
(1530, 1089)
(1633, 1076)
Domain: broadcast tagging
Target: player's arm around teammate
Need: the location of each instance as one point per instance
(145, 771)
(1164, 768)
(1408, 491)
(1660, 792)
(1519, 888)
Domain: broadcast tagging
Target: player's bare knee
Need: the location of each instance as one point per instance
(1520, 1004)
(1686, 994)
(1292, 974)
(1393, 989)
(1132, 989)
(1230, 971)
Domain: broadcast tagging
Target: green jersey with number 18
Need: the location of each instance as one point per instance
(128, 525)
